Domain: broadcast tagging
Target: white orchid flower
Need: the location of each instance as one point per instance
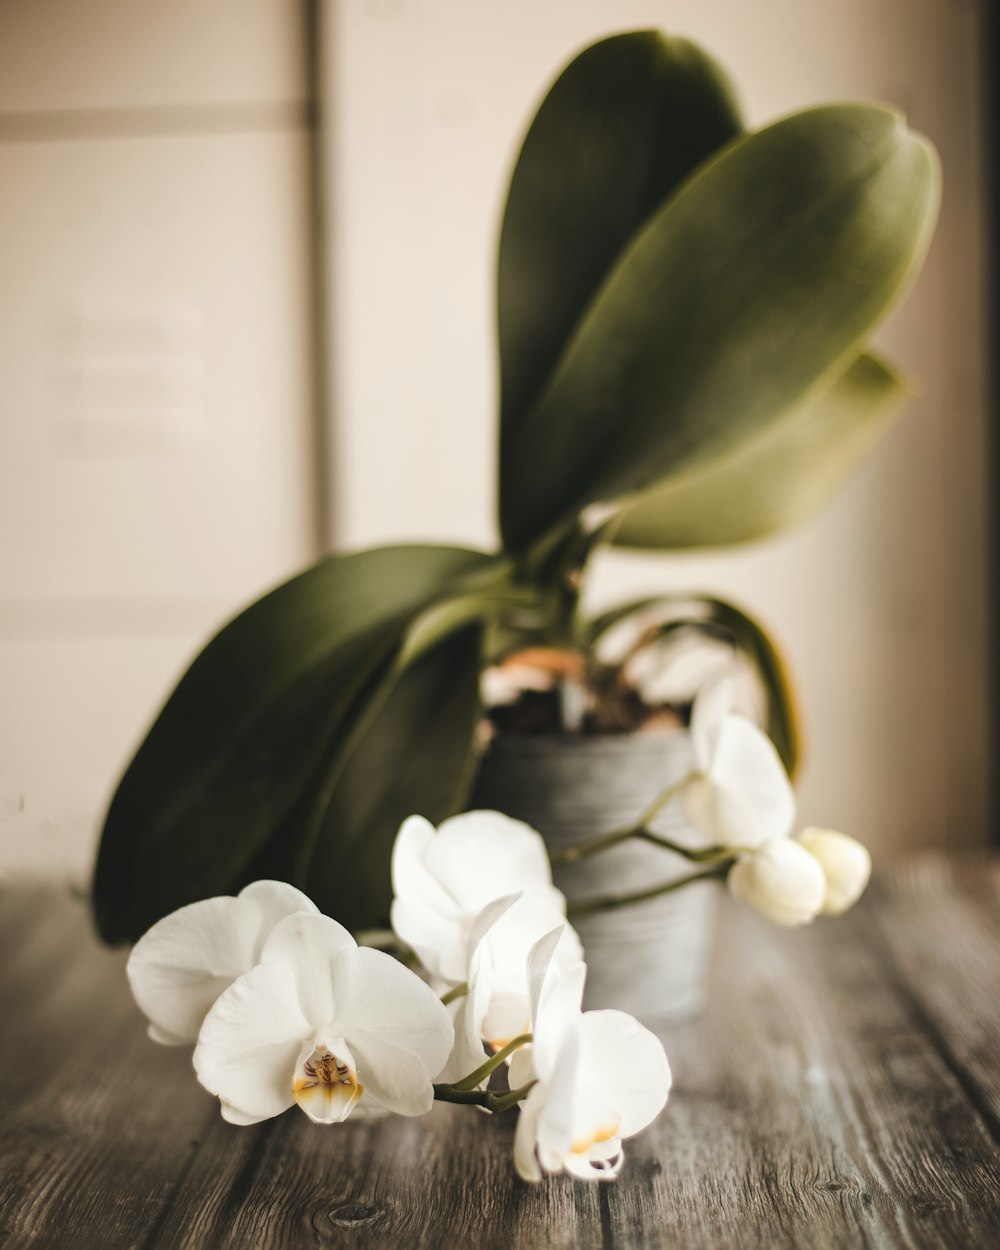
(846, 864)
(183, 963)
(497, 1006)
(600, 1077)
(443, 878)
(320, 1022)
(781, 880)
(741, 795)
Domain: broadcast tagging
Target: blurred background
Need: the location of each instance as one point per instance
(246, 316)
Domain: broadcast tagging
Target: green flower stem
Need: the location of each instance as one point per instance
(495, 1102)
(704, 855)
(456, 991)
(610, 902)
(494, 1062)
(570, 854)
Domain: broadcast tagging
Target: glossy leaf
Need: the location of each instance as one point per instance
(750, 288)
(620, 129)
(411, 754)
(249, 724)
(775, 480)
(748, 636)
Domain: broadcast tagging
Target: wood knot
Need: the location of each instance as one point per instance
(351, 1214)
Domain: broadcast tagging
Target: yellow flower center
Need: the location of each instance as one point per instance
(326, 1084)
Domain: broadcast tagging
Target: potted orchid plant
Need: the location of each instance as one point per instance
(683, 307)
(683, 310)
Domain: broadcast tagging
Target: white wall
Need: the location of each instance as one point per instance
(156, 406)
(880, 601)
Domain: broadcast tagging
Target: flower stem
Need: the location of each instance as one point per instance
(494, 1061)
(610, 902)
(495, 1102)
(702, 855)
(456, 991)
(580, 850)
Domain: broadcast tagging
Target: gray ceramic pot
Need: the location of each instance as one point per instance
(650, 958)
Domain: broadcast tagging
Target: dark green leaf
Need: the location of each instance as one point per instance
(749, 288)
(249, 724)
(777, 479)
(621, 128)
(412, 754)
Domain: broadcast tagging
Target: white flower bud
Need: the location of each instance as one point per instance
(846, 865)
(781, 880)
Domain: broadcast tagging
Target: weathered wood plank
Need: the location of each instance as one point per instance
(837, 1093)
(939, 920)
(95, 1129)
(810, 1109)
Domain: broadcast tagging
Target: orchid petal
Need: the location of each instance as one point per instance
(781, 880)
(479, 856)
(179, 968)
(746, 797)
(396, 1026)
(557, 993)
(249, 1044)
(306, 948)
(438, 939)
(498, 976)
(846, 864)
(521, 1069)
(526, 1136)
(708, 714)
(624, 1067)
(556, 1121)
(410, 873)
(539, 958)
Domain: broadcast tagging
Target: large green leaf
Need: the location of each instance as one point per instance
(621, 128)
(251, 721)
(411, 753)
(775, 480)
(750, 288)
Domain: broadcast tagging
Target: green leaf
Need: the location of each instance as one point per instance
(748, 636)
(775, 480)
(251, 721)
(750, 288)
(412, 754)
(620, 129)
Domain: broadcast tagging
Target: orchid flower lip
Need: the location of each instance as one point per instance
(326, 1084)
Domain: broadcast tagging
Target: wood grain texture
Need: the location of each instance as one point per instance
(841, 1090)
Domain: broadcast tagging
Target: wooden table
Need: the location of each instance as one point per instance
(842, 1090)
